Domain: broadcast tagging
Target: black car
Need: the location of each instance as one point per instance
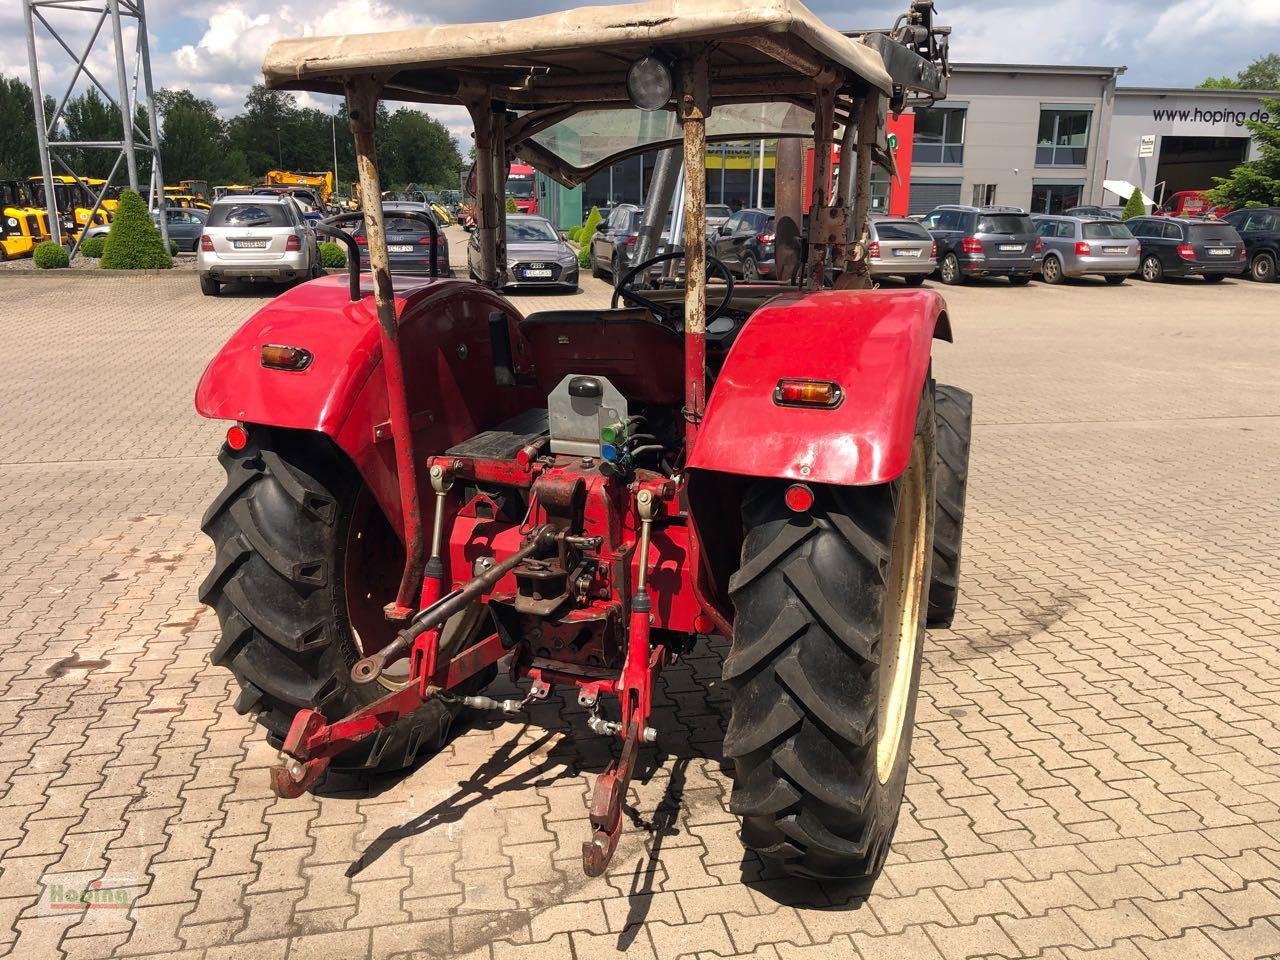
(408, 241)
(1259, 227)
(613, 246)
(745, 244)
(1188, 247)
(985, 242)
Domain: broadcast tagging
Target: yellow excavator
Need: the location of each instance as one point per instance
(22, 224)
(320, 182)
(182, 197)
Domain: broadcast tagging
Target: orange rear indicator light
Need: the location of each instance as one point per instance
(279, 357)
(807, 393)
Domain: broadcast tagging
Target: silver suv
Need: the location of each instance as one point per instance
(1083, 246)
(256, 238)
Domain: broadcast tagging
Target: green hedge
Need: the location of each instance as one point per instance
(1134, 207)
(93, 246)
(50, 256)
(134, 241)
(332, 255)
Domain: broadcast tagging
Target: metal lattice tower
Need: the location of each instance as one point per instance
(104, 18)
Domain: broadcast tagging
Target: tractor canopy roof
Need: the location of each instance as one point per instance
(566, 73)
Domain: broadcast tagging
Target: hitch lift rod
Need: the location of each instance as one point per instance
(371, 667)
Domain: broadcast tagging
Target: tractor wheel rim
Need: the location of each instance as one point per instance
(372, 560)
(903, 602)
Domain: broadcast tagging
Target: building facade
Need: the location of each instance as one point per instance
(1046, 138)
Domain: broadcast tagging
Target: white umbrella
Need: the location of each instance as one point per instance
(1124, 190)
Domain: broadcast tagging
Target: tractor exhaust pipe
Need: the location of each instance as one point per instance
(371, 667)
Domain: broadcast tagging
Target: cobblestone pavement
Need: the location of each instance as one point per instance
(1097, 753)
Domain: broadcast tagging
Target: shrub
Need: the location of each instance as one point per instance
(584, 255)
(572, 233)
(332, 256)
(511, 206)
(50, 256)
(93, 246)
(134, 241)
(1134, 207)
(173, 248)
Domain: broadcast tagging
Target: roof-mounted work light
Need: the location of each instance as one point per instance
(649, 83)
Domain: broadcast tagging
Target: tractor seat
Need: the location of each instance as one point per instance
(641, 357)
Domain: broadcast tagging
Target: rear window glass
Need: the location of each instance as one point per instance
(248, 215)
(1004, 223)
(406, 225)
(1106, 231)
(901, 230)
(1215, 232)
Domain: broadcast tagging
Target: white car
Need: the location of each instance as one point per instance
(256, 237)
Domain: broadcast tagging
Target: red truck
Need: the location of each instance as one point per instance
(1189, 203)
(520, 188)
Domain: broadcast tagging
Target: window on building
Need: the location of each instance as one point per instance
(984, 194)
(939, 136)
(1063, 140)
(1055, 197)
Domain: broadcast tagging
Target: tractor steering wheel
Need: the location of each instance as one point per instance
(667, 311)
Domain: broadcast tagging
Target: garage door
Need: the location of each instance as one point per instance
(927, 194)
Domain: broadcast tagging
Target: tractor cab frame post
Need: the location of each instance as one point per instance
(362, 107)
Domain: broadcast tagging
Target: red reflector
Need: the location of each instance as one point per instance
(971, 245)
(237, 437)
(807, 393)
(1083, 249)
(933, 250)
(703, 624)
(294, 243)
(279, 357)
(798, 498)
(1243, 255)
(206, 244)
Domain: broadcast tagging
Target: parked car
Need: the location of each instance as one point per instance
(984, 242)
(536, 255)
(256, 237)
(1188, 247)
(614, 242)
(1259, 227)
(408, 241)
(745, 244)
(1084, 246)
(717, 214)
(900, 247)
(185, 225)
(1108, 212)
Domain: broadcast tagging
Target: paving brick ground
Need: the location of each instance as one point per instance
(1096, 762)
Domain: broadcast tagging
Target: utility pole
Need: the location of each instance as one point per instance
(90, 17)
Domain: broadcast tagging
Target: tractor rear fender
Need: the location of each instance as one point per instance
(875, 345)
(446, 343)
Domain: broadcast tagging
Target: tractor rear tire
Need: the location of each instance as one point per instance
(954, 410)
(824, 665)
(280, 528)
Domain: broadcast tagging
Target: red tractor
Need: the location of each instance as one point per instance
(425, 485)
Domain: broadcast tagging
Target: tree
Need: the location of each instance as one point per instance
(194, 144)
(417, 149)
(1134, 207)
(134, 241)
(90, 117)
(19, 156)
(1255, 183)
(1262, 74)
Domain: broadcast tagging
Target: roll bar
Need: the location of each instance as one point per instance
(329, 227)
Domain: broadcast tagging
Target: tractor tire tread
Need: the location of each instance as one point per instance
(954, 409)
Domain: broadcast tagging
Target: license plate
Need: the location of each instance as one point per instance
(399, 248)
(250, 244)
(1115, 249)
(902, 252)
(1219, 251)
(1011, 247)
(535, 274)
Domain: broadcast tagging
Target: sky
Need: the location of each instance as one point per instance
(215, 47)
